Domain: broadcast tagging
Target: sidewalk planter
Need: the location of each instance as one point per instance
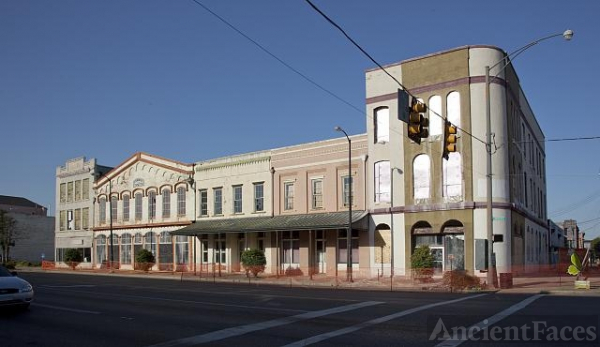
(580, 284)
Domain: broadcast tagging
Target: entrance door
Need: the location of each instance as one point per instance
(438, 260)
(320, 256)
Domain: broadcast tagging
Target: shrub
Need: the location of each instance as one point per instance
(144, 259)
(254, 261)
(10, 264)
(422, 263)
(73, 257)
(460, 279)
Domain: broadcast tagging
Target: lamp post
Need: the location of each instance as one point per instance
(349, 232)
(110, 216)
(567, 34)
(192, 184)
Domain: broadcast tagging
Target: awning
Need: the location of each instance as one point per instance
(312, 221)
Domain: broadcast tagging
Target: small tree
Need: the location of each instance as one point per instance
(73, 257)
(595, 247)
(254, 261)
(144, 259)
(422, 263)
(8, 234)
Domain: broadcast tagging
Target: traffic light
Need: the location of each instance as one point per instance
(417, 123)
(449, 139)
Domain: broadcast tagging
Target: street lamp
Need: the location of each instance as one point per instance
(349, 232)
(567, 34)
(110, 216)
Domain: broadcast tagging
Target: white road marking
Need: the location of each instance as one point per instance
(492, 320)
(65, 308)
(244, 329)
(325, 336)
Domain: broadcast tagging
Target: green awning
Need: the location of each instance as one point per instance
(312, 221)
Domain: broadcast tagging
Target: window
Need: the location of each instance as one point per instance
(382, 125)
(70, 221)
(100, 249)
(85, 218)
(421, 174)
(204, 202)
(125, 208)
(113, 208)
(220, 250)
(137, 243)
(102, 210)
(343, 246)
(152, 204)
(435, 112)
(452, 176)
(138, 206)
(77, 190)
(317, 193)
(259, 197)
(70, 192)
(63, 220)
(181, 201)
(382, 181)
(204, 245)
(182, 249)
(126, 249)
(288, 189)
(347, 189)
(150, 242)
(166, 203)
(261, 241)
(237, 199)
(78, 219)
(218, 200)
(63, 192)
(290, 241)
(165, 248)
(85, 189)
(453, 108)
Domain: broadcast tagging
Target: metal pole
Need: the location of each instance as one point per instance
(111, 222)
(349, 234)
(490, 223)
(391, 230)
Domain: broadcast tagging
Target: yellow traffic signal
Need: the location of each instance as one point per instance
(449, 139)
(417, 123)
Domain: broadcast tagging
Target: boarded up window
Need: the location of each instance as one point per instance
(383, 241)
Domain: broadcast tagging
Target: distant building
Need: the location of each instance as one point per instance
(574, 237)
(34, 229)
(74, 205)
(557, 241)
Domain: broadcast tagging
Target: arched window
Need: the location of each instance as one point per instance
(382, 181)
(126, 249)
(421, 176)
(452, 176)
(125, 208)
(113, 208)
(181, 201)
(152, 204)
(138, 206)
(166, 203)
(100, 249)
(453, 108)
(435, 115)
(165, 250)
(382, 125)
(102, 210)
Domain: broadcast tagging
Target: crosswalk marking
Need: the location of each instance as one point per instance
(491, 320)
(325, 336)
(244, 329)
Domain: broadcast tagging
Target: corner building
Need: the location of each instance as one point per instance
(442, 203)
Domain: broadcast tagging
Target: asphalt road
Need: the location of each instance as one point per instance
(99, 310)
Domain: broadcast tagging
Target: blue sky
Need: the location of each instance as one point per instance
(106, 79)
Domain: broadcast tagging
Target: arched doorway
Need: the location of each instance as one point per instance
(382, 244)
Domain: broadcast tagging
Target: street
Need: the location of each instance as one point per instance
(99, 310)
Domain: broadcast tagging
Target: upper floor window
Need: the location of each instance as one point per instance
(166, 203)
(77, 190)
(452, 176)
(113, 208)
(152, 204)
(421, 176)
(138, 206)
(259, 197)
(63, 192)
(435, 115)
(347, 189)
(382, 125)
(237, 199)
(453, 108)
(125, 208)
(288, 191)
(70, 192)
(218, 200)
(85, 189)
(102, 209)
(382, 181)
(181, 201)
(317, 193)
(203, 202)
